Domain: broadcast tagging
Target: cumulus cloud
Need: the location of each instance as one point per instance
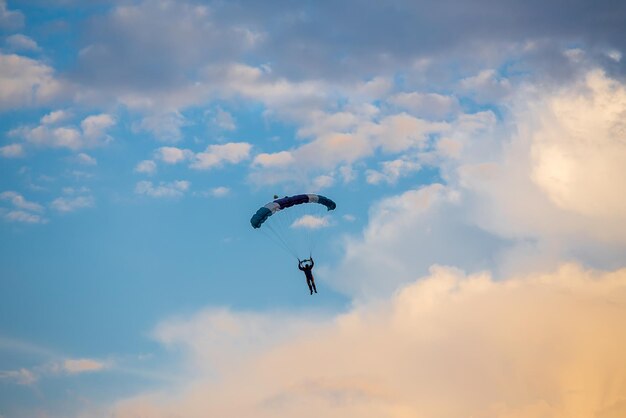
(55, 117)
(146, 166)
(217, 155)
(448, 345)
(24, 217)
(92, 132)
(12, 151)
(392, 134)
(172, 155)
(311, 222)
(278, 159)
(323, 181)
(164, 189)
(26, 82)
(21, 210)
(71, 204)
(220, 191)
(94, 127)
(20, 202)
(85, 159)
(561, 168)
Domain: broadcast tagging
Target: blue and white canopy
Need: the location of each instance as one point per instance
(272, 207)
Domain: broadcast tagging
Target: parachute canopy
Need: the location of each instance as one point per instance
(274, 206)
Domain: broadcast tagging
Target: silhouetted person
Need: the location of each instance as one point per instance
(306, 268)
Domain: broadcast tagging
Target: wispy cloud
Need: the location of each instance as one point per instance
(392, 171)
(165, 127)
(20, 42)
(10, 19)
(224, 120)
(72, 204)
(146, 166)
(21, 376)
(20, 202)
(83, 365)
(85, 159)
(164, 189)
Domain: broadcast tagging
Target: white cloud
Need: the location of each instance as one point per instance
(311, 222)
(83, 365)
(172, 189)
(86, 159)
(92, 133)
(71, 204)
(217, 155)
(220, 191)
(146, 166)
(26, 82)
(25, 217)
(557, 177)
(392, 134)
(172, 155)
(12, 151)
(20, 202)
(440, 347)
(55, 117)
(278, 159)
(20, 42)
(94, 128)
(405, 235)
(320, 123)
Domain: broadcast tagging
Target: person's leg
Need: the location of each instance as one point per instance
(308, 281)
(313, 282)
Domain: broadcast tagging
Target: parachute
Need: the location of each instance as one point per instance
(292, 221)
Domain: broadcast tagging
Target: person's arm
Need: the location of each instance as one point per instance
(300, 266)
(312, 262)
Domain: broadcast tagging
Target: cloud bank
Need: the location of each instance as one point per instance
(448, 345)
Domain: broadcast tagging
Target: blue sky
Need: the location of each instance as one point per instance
(476, 153)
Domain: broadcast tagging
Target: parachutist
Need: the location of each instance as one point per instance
(306, 266)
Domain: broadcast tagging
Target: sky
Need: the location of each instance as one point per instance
(475, 264)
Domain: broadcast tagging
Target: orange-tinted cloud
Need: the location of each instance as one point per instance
(450, 345)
